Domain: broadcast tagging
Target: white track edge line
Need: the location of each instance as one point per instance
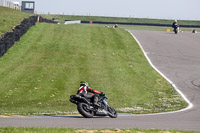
(190, 105)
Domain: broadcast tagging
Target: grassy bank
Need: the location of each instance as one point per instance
(62, 130)
(10, 18)
(45, 67)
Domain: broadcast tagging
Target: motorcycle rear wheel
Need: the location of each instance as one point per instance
(112, 112)
(84, 110)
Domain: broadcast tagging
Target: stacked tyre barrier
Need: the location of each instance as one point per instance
(9, 38)
(47, 20)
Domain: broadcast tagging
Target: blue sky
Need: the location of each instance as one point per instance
(163, 9)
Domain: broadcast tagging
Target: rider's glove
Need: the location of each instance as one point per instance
(102, 94)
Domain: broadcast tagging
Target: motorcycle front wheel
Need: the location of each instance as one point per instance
(84, 110)
(112, 112)
(175, 31)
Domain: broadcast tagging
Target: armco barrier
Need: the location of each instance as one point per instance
(143, 24)
(9, 38)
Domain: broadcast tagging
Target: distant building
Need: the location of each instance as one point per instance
(10, 4)
(2, 2)
(28, 6)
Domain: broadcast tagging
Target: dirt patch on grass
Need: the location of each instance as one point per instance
(164, 132)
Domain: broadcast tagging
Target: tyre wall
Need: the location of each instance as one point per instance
(9, 38)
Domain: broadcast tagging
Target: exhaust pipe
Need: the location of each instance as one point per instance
(79, 98)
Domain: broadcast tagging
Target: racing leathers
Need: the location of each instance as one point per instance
(83, 91)
(175, 25)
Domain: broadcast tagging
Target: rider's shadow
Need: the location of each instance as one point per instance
(65, 116)
(76, 116)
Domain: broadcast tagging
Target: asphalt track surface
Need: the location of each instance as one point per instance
(177, 57)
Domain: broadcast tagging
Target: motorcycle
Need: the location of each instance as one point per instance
(176, 29)
(86, 108)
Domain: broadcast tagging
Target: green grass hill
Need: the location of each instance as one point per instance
(41, 71)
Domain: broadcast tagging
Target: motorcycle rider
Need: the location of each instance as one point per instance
(175, 25)
(84, 89)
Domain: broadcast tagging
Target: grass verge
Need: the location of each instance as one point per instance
(68, 130)
(41, 71)
(9, 18)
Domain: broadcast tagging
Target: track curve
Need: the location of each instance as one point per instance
(177, 57)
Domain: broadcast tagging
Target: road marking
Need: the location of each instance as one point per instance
(12, 116)
(3, 116)
(190, 105)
